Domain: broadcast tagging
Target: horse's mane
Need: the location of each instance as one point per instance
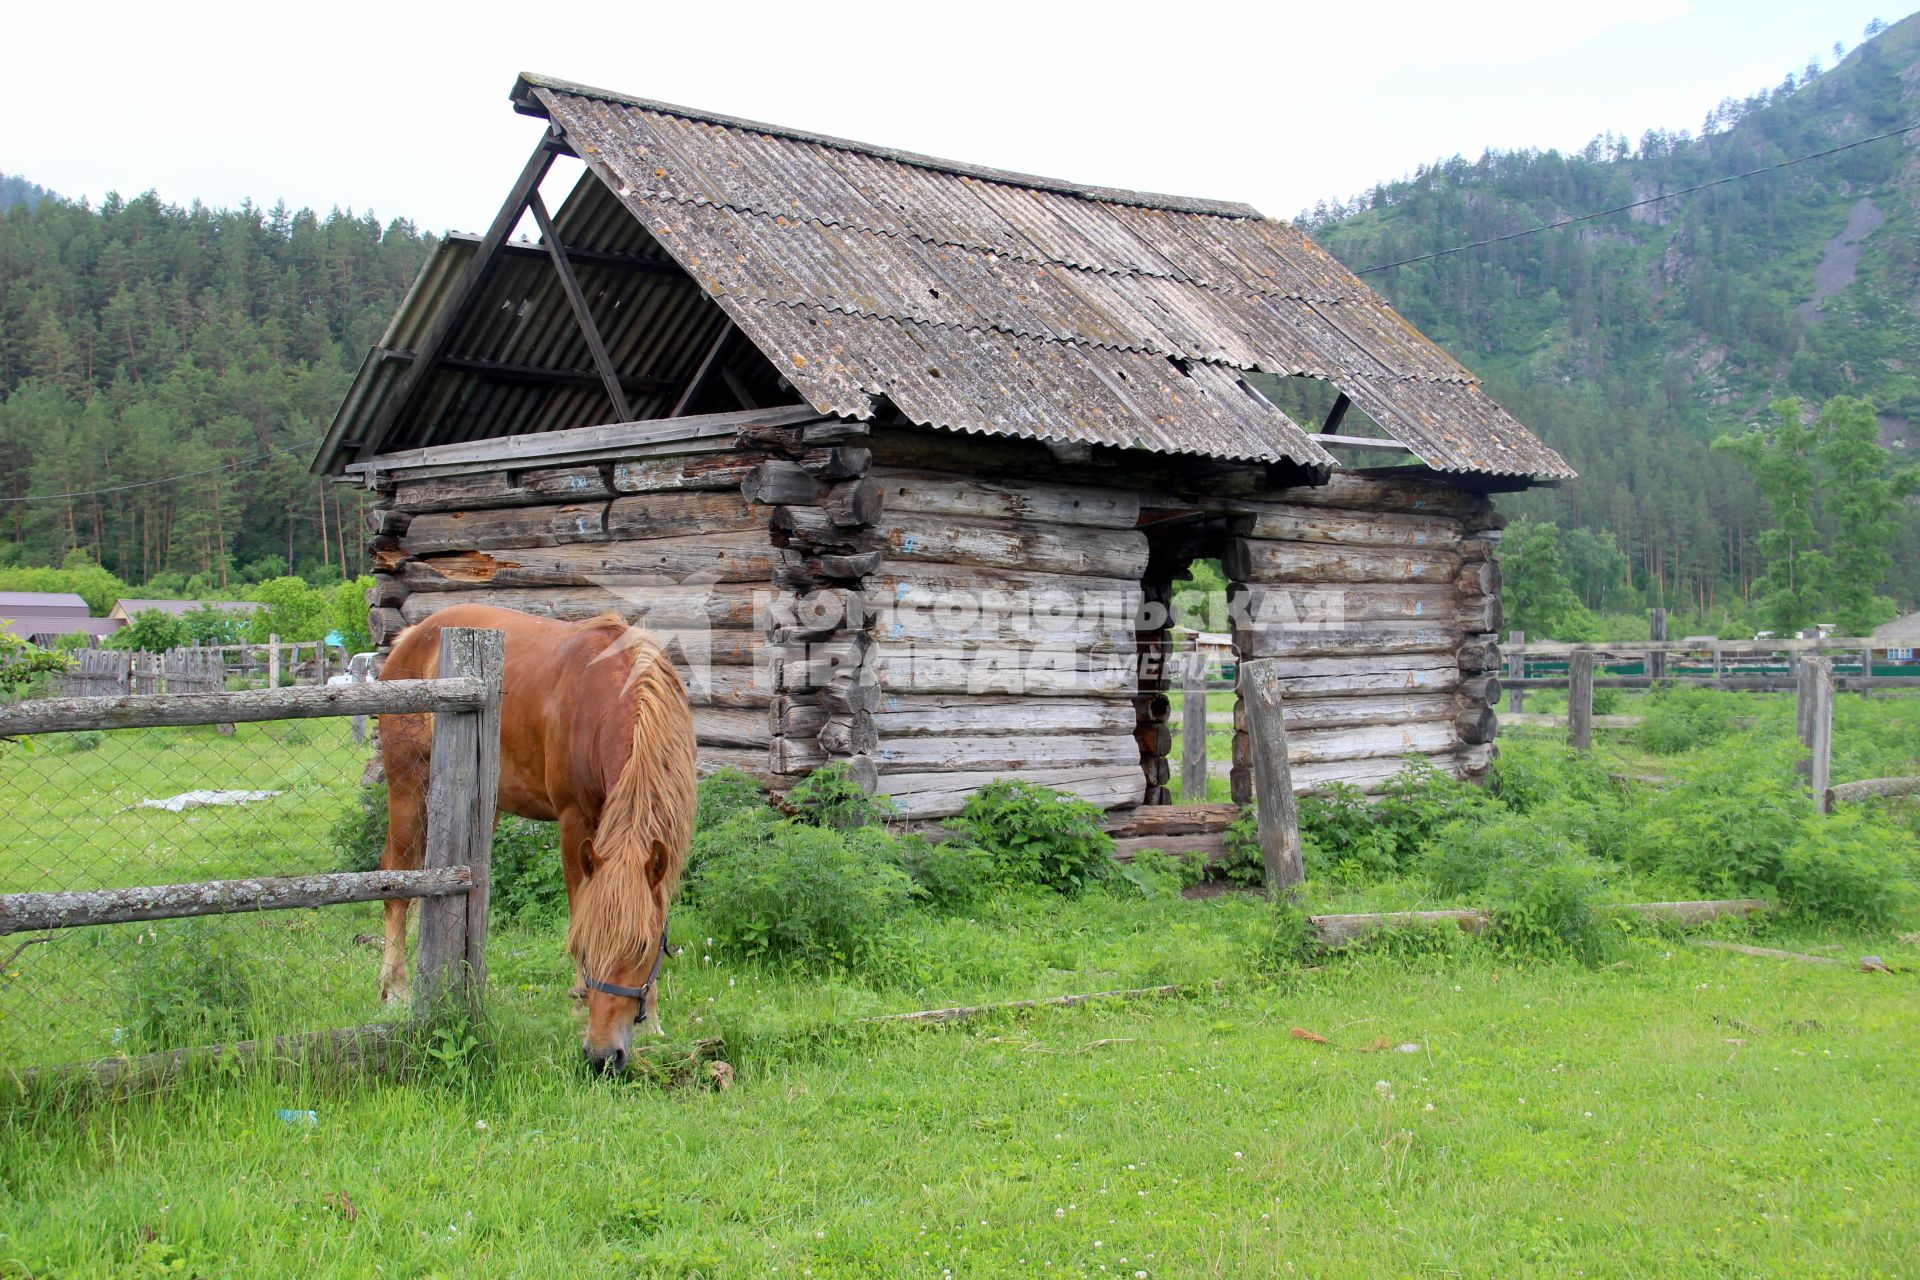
(646, 821)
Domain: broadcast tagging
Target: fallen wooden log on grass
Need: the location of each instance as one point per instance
(1339, 930)
(1768, 953)
(1871, 788)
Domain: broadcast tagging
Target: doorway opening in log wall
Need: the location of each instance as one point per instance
(1169, 625)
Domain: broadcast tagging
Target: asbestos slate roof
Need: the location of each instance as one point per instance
(1000, 303)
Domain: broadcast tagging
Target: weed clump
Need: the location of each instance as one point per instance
(1037, 836)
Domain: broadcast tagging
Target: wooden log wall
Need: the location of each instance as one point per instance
(1002, 623)
(1383, 596)
(687, 544)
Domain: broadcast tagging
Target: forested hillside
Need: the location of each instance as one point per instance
(1631, 341)
(15, 189)
(142, 340)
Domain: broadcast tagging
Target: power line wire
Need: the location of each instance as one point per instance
(1640, 204)
(148, 484)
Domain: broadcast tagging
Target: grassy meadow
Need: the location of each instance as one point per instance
(1434, 1104)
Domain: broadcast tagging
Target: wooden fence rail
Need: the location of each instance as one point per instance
(455, 882)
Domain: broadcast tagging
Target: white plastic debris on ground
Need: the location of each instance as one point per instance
(200, 799)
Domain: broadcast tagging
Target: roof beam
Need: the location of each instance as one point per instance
(433, 346)
(1336, 415)
(508, 372)
(586, 257)
(622, 411)
(699, 378)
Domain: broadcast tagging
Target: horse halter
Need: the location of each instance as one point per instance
(630, 993)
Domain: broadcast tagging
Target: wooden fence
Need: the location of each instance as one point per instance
(453, 884)
(106, 673)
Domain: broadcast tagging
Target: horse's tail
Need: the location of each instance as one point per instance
(646, 822)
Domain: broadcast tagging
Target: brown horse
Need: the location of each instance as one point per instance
(594, 733)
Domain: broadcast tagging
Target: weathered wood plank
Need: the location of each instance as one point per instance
(1580, 701)
(1287, 522)
(1364, 639)
(1193, 729)
(550, 448)
(923, 669)
(460, 805)
(1257, 560)
(26, 912)
(975, 497)
(729, 557)
(1150, 821)
(909, 715)
(725, 604)
(974, 753)
(1024, 545)
(148, 711)
(1377, 493)
(936, 795)
(679, 514)
(485, 529)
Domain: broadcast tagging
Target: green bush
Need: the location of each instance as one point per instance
(812, 896)
(358, 836)
(528, 883)
(740, 829)
(829, 797)
(82, 740)
(1851, 866)
(1529, 774)
(527, 880)
(947, 875)
(194, 983)
(1159, 874)
(1542, 899)
(723, 793)
(1724, 826)
(1682, 718)
(1462, 858)
(1342, 838)
(1035, 835)
(1244, 864)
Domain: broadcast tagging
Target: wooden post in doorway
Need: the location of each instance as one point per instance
(1516, 671)
(1657, 632)
(1193, 726)
(1278, 816)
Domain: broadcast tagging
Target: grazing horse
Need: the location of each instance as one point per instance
(596, 734)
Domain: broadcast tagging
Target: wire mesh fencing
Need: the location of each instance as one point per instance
(107, 809)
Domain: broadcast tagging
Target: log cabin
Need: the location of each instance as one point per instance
(906, 455)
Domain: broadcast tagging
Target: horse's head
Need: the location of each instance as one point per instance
(623, 995)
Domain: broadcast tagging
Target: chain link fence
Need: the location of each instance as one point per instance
(106, 809)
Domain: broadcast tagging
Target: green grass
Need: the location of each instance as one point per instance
(1683, 1113)
(72, 822)
(1673, 1112)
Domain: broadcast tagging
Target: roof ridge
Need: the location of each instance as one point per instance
(525, 103)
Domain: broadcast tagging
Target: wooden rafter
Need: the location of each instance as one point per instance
(1336, 415)
(434, 345)
(700, 374)
(577, 299)
(509, 372)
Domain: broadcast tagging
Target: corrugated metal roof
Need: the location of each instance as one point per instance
(993, 302)
(967, 298)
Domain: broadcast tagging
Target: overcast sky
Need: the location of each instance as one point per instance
(1278, 105)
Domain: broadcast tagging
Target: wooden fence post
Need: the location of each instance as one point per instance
(1657, 631)
(1821, 769)
(1193, 727)
(1866, 673)
(1516, 671)
(1279, 818)
(273, 661)
(1580, 700)
(464, 785)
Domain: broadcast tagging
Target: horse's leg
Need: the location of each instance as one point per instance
(406, 832)
(575, 848)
